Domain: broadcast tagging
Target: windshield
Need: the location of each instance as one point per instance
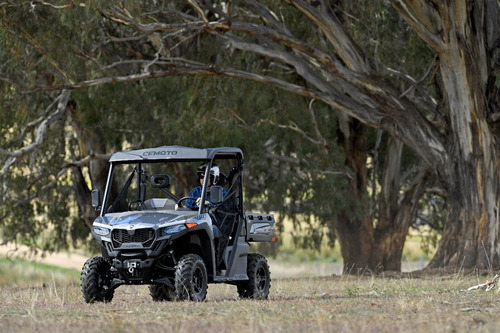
(159, 185)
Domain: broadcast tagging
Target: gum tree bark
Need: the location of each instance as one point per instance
(466, 36)
(365, 245)
(396, 210)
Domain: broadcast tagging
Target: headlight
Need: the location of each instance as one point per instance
(174, 229)
(101, 231)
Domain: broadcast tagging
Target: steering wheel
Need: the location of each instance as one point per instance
(179, 203)
(138, 202)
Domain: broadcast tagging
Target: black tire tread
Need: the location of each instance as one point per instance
(184, 287)
(251, 289)
(160, 292)
(93, 280)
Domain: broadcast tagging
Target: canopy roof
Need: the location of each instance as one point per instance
(173, 153)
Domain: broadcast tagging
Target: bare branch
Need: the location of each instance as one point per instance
(61, 101)
(68, 5)
(488, 285)
(294, 127)
(199, 11)
(351, 88)
(12, 82)
(39, 47)
(348, 86)
(324, 17)
(424, 18)
(314, 122)
(53, 182)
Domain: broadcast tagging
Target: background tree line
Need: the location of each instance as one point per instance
(369, 116)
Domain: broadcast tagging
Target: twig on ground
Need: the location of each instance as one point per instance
(488, 285)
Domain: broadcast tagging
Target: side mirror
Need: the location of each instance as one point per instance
(216, 194)
(160, 181)
(96, 199)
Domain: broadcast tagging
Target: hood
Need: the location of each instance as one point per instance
(144, 218)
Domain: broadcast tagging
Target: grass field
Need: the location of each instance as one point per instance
(50, 301)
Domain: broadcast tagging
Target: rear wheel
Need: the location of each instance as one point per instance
(191, 279)
(259, 278)
(95, 281)
(161, 292)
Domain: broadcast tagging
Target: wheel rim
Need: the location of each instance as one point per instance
(102, 283)
(261, 278)
(198, 280)
(100, 280)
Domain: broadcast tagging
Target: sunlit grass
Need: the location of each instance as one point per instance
(22, 273)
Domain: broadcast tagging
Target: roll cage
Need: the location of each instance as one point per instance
(139, 179)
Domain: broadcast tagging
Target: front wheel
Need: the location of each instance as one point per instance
(259, 278)
(95, 281)
(191, 279)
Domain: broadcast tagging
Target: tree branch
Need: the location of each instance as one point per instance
(68, 5)
(334, 31)
(487, 286)
(350, 87)
(13, 156)
(53, 182)
(423, 16)
(61, 101)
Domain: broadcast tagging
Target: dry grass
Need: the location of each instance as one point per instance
(327, 304)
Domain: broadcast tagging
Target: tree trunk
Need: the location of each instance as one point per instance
(466, 35)
(471, 234)
(354, 229)
(396, 208)
(391, 233)
(357, 245)
(354, 225)
(366, 245)
(83, 199)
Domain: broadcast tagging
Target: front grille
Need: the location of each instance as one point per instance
(143, 236)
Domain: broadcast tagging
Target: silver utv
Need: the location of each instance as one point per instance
(148, 236)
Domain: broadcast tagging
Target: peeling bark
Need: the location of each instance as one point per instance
(467, 43)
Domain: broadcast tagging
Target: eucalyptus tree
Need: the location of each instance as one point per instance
(94, 114)
(454, 134)
(294, 173)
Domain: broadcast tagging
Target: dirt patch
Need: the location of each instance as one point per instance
(66, 260)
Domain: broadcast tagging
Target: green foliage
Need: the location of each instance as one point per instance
(287, 170)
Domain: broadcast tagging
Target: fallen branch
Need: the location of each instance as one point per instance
(488, 285)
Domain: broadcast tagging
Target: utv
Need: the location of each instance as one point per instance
(149, 236)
